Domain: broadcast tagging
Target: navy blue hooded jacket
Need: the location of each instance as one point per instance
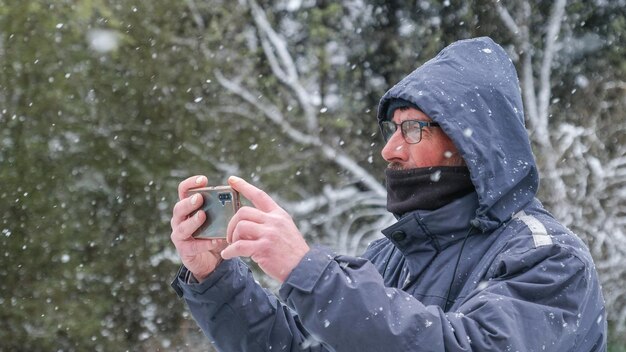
(522, 281)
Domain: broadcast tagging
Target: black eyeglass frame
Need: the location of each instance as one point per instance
(387, 131)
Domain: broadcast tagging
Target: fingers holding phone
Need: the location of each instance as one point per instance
(199, 255)
(206, 216)
(266, 233)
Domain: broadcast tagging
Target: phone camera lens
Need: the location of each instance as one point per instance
(225, 197)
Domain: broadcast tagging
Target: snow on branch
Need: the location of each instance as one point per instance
(284, 68)
(545, 72)
(615, 85)
(506, 18)
(282, 64)
(270, 111)
(537, 104)
(195, 14)
(537, 90)
(521, 38)
(273, 113)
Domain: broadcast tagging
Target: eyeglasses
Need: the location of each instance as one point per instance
(411, 129)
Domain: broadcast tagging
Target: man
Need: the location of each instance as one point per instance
(473, 263)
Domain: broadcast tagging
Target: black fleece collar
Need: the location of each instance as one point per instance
(426, 188)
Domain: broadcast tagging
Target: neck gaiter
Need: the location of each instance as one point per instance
(426, 188)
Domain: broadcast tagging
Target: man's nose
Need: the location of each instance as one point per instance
(395, 148)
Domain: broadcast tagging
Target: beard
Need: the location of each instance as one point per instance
(451, 160)
(395, 166)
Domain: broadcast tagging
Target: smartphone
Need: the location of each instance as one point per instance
(220, 204)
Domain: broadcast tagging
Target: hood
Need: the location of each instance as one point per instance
(471, 89)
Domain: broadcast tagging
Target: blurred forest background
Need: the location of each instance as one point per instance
(106, 105)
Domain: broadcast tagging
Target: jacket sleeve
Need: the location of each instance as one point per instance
(542, 299)
(237, 314)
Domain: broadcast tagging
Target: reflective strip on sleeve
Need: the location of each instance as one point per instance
(540, 234)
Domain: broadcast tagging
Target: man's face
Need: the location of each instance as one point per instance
(435, 148)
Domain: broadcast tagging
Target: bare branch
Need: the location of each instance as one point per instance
(550, 47)
(615, 85)
(283, 65)
(521, 37)
(506, 18)
(273, 114)
(269, 110)
(278, 43)
(195, 14)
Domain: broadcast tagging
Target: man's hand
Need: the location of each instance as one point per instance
(200, 256)
(265, 233)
